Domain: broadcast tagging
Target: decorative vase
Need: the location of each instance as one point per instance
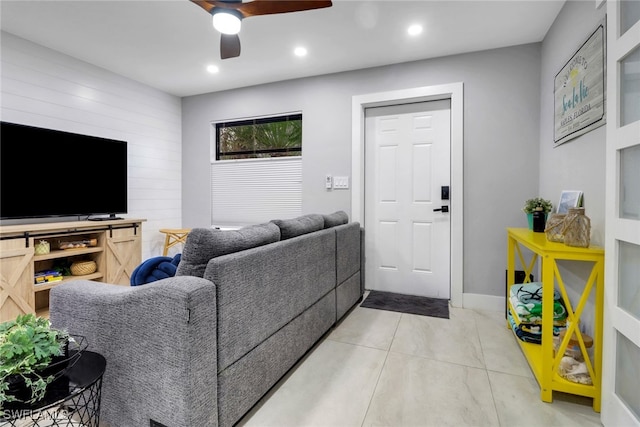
(539, 219)
(58, 363)
(577, 228)
(17, 385)
(17, 388)
(555, 228)
(530, 220)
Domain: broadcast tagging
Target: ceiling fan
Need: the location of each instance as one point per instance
(228, 15)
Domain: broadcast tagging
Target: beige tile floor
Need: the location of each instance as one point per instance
(381, 368)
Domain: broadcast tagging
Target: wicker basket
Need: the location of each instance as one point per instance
(555, 228)
(81, 268)
(577, 228)
(42, 247)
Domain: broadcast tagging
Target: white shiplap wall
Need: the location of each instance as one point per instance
(45, 88)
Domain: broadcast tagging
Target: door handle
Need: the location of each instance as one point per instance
(442, 209)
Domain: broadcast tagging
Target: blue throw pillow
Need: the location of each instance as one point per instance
(153, 269)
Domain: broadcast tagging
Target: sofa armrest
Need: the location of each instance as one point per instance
(159, 341)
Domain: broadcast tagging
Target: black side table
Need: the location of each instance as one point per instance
(72, 400)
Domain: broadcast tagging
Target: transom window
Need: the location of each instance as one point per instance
(279, 136)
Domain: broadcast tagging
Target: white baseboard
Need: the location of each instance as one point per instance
(483, 302)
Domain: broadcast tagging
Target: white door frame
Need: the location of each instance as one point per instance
(452, 91)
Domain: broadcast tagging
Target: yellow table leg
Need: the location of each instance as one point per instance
(546, 389)
(597, 352)
(511, 270)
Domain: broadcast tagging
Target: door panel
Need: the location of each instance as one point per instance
(407, 160)
(421, 245)
(16, 278)
(421, 176)
(388, 245)
(621, 349)
(124, 247)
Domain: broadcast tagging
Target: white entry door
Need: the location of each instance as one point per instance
(407, 162)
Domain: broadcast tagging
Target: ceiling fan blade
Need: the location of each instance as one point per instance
(229, 46)
(269, 7)
(263, 7)
(209, 5)
(206, 5)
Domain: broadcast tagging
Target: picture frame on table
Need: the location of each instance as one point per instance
(569, 199)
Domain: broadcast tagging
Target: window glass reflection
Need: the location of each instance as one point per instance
(627, 356)
(630, 88)
(629, 14)
(628, 277)
(629, 179)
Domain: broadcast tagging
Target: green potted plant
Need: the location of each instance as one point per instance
(537, 204)
(28, 345)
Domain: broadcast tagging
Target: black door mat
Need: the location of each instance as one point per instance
(423, 306)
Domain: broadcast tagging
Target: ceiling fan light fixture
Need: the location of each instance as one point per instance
(227, 21)
(414, 30)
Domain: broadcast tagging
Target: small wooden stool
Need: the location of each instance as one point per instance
(174, 236)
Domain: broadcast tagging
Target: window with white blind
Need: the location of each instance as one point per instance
(256, 170)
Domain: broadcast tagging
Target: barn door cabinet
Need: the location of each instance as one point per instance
(114, 245)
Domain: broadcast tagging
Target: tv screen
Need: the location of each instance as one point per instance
(47, 173)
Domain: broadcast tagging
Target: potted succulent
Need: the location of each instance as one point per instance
(541, 207)
(28, 346)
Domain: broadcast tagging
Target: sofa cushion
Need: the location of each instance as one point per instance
(298, 226)
(204, 244)
(262, 289)
(336, 218)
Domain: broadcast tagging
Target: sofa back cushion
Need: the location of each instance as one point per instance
(262, 289)
(334, 219)
(203, 244)
(298, 226)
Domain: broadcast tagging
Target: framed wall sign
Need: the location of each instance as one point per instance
(579, 90)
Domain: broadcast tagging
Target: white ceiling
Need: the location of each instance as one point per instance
(167, 44)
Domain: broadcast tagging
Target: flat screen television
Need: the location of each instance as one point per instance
(50, 173)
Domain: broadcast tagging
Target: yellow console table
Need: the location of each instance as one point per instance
(542, 359)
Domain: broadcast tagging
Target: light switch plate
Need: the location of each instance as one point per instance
(340, 182)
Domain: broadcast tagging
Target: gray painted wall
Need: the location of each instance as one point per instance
(579, 163)
(501, 141)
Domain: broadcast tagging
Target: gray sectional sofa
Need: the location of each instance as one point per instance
(201, 348)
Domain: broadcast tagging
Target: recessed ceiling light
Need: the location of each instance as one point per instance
(414, 30)
(300, 51)
(213, 69)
